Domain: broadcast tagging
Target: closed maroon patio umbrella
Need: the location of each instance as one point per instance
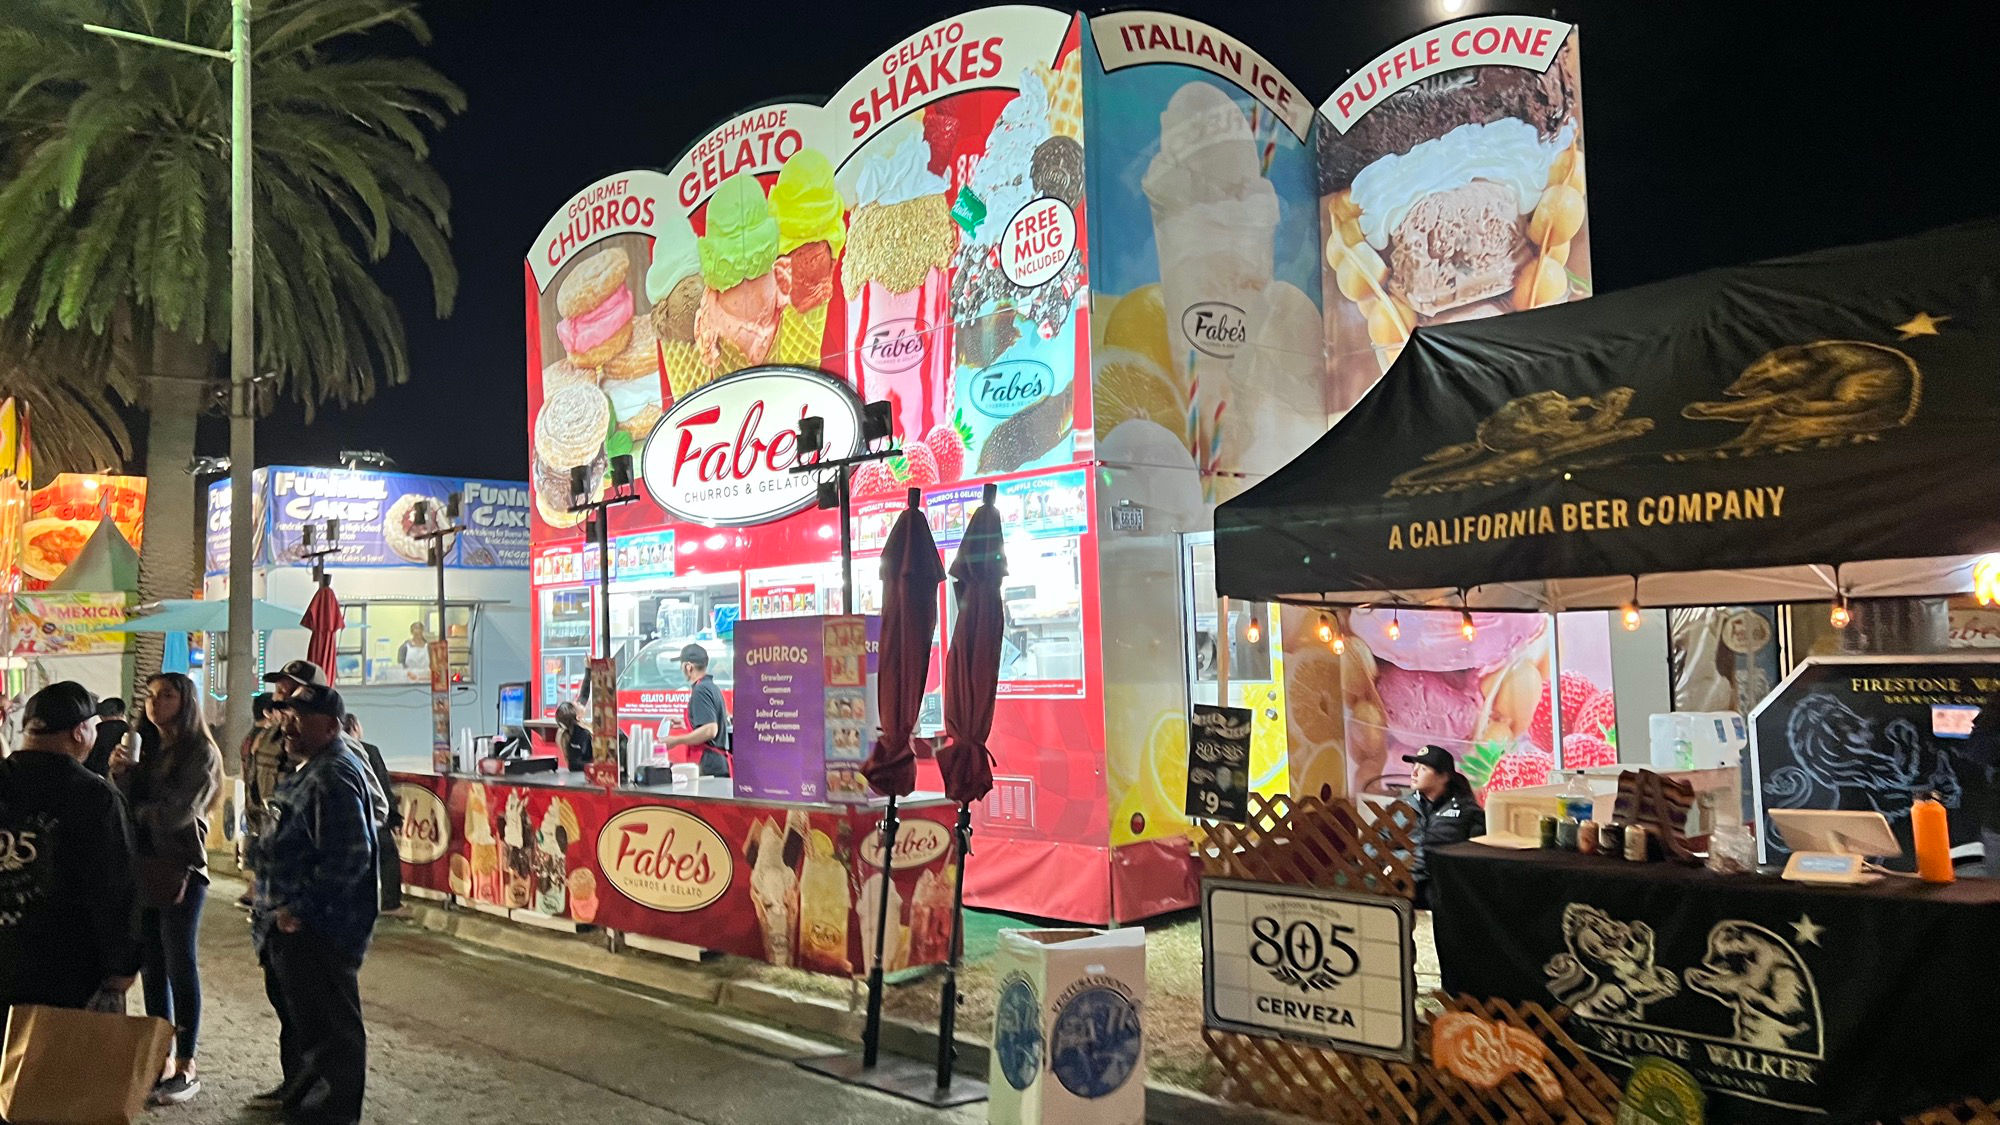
(971, 681)
(323, 622)
(911, 573)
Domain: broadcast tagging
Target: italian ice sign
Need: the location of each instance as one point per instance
(1451, 175)
(1210, 344)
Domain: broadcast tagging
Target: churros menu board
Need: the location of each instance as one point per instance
(803, 716)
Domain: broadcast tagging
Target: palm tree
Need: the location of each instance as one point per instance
(114, 210)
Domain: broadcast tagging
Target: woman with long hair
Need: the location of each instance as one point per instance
(170, 789)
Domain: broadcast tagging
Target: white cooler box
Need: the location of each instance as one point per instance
(1068, 1039)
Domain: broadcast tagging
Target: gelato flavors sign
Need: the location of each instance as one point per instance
(723, 456)
(664, 858)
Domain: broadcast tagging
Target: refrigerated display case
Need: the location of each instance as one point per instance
(566, 615)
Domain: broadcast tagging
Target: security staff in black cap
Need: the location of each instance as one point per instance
(1446, 811)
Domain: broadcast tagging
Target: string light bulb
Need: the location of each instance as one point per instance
(1630, 618)
(1253, 632)
(1986, 579)
(1395, 626)
(1325, 629)
(1841, 616)
(1466, 628)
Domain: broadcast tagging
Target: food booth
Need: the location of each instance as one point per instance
(1814, 429)
(1117, 344)
(379, 568)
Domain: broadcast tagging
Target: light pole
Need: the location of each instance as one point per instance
(242, 681)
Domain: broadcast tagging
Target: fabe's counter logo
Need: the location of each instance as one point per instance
(663, 858)
(917, 842)
(723, 456)
(424, 836)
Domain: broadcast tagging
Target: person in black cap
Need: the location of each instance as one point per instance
(1446, 811)
(707, 716)
(317, 900)
(69, 897)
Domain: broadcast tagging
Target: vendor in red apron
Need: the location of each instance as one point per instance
(707, 716)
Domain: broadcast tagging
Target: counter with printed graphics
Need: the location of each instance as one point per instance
(778, 882)
(1786, 1001)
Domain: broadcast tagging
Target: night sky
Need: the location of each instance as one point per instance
(1718, 132)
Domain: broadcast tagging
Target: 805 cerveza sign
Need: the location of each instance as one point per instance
(1315, 966)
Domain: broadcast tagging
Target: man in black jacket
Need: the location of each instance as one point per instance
(111, 728)
(1445, 808)
(68, 895)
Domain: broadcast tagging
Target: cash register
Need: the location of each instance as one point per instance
(511, 753)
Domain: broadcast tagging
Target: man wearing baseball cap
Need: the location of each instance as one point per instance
(317, 899)
(68, 895)
(1446, 811)
(266, 764)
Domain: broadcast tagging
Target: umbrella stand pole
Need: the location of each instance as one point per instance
(871, 1033)
(948, 1003)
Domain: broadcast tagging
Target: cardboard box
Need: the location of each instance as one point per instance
(1069, 1046)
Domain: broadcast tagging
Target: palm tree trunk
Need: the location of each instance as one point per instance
(169, 558)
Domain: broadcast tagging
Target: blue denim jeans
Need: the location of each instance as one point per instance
(171, 978)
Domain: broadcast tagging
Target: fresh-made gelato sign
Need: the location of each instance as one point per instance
(723, 456)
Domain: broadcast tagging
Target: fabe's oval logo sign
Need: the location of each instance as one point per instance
(1216, 328)
(917, 842)
(424, 836)
(892, 345)
(665, 859)
(722, 457)
(1005, 389)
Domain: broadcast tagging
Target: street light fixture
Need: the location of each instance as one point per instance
(242, 328)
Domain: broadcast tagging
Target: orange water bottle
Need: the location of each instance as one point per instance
(1933, 837)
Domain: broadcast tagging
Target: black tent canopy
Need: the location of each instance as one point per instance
(1766, 433)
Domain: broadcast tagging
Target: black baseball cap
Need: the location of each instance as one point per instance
(61, 706)
(1435, 757)
(313, 699)
(695, 655)
(301, 672)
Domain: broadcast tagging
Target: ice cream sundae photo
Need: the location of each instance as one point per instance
(1459, 196)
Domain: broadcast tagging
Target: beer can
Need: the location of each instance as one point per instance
(1586, 837)
(1637, 839)
(1547, 831)
(1611, 840)
(1566, 833)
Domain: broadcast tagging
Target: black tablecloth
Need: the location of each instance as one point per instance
(1786, 1001)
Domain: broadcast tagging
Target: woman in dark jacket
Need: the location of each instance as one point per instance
(169, 791)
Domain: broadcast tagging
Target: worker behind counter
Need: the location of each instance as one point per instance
(1447, 812)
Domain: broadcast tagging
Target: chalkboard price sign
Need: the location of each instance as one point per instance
(1218, 772)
